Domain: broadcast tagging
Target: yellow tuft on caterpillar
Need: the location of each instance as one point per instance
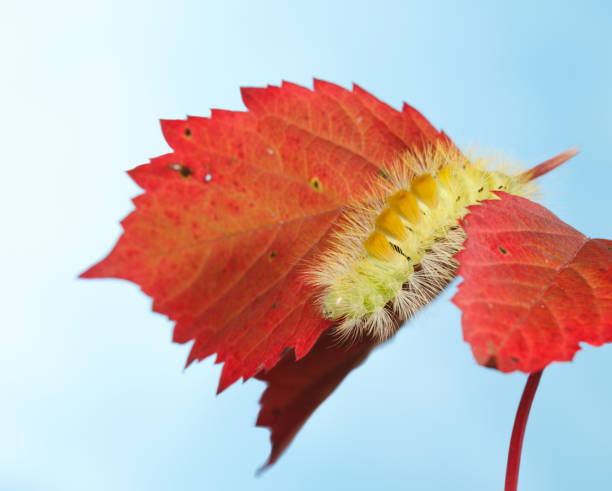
(393, 253)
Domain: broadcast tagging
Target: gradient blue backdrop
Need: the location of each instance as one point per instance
(93, 392)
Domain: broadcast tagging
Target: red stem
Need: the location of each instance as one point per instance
(518, 432)
(549, 165)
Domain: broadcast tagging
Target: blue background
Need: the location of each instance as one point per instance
(93, 392)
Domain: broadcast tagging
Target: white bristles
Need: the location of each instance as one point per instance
(368, 292)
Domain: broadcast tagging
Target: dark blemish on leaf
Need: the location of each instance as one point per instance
(383, 173)
(491, 362)
(502, 250)
(272, 255)
(480, 190)
(183, 170)
(274, 305)
(316, 184)
(458, 198)
(500, 187)
(187, 132)
(514, 359)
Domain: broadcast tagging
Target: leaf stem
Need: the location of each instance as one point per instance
(518, 432)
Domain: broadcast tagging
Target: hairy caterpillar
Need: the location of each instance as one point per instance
(393, 253)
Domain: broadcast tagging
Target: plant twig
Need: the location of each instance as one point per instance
(518, 432)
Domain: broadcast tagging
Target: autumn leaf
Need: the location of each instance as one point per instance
(533, 287)
(296, 388)
(228, 220)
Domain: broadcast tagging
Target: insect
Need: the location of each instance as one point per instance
(393, 253)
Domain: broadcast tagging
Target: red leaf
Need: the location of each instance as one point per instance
(533, 287)
(228, 219)
(296, 388)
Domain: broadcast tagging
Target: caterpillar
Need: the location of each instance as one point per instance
(393, 253)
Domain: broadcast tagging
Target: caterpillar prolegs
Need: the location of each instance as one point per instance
(393, 253)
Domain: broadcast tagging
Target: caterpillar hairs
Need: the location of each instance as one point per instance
(393, 253)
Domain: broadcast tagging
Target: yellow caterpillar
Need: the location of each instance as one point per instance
(393, 253)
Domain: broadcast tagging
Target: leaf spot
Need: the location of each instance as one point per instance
(187, 132)
(491, 362)
(274, 305)
(316, 184)
(272, 255)
(383, 173)
(502, 250)
(183, 170)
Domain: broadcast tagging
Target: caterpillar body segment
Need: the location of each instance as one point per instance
(394, 253)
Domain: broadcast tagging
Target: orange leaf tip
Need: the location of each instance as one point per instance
(548, 165)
